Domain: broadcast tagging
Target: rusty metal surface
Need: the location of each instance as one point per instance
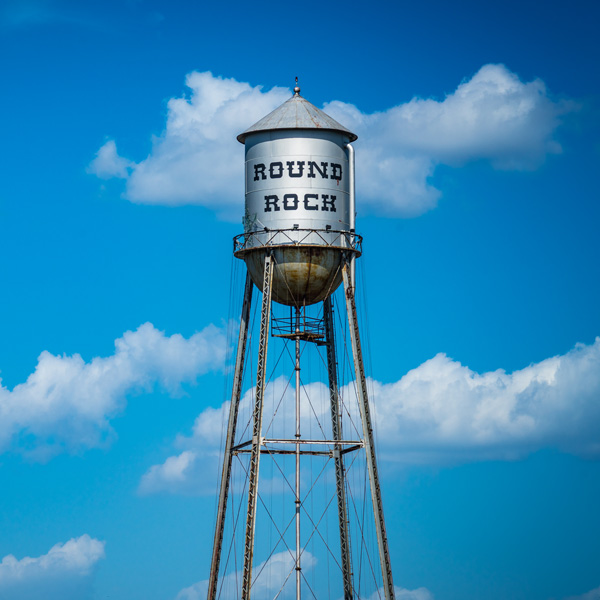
(297, 113)
(306, 270)
(302, 275)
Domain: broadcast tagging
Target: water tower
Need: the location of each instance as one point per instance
(299, 244)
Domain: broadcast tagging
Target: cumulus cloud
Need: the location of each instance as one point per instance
(278, 571)
(194, 470)
(109, 164)
(492, 116)
(64, 573)
(440, 412)
(66, 404)
(197, 159)
(191, 472)
(268, 578)
(418, 594)
(443, 410)
(404, 594)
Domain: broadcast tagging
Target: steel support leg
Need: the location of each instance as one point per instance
(231, 427)
(363, 401)
(297, 484)
(336, 426)
(265, 318)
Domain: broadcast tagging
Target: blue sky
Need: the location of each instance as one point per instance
(121, 188)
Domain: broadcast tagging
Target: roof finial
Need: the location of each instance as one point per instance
(297, 88)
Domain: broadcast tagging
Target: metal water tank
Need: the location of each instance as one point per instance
(299, 205)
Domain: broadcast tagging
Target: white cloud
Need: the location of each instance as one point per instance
(493, 116)
(196, 469)
(108, 163)
(417, 594)
(190, 473)
(66, 404)
(440, 412)
(197, 159)
(591, 595)
(268, 577)
(63, 573)
(404, 594)
(443, 410)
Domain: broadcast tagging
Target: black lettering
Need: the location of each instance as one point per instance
(272, 167)
(307, 206)
(290, 197)
(328, 205)
(271, 201)
(335, 175)
(259, 169)
(290, 166)
(312, 166)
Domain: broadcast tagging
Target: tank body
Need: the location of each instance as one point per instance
(297, 205)
(297, 178)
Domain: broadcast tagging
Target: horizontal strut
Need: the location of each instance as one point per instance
(276, 451)
(353, 443)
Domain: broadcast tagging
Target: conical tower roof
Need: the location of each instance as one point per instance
(296, 113)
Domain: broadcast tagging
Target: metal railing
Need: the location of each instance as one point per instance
(333, 238)
(289, 326)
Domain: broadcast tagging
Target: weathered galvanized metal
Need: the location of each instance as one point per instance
(369, 440)
(304, 273)
(299, 243)
(298, 180)
(297, 113)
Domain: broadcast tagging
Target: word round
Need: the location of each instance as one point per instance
(276, 170)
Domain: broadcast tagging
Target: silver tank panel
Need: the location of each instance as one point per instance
(297, 179)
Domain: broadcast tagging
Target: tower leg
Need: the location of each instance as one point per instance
(365, 415)
(265, 318)
(336, 426)
(297, 483)
(231, 427)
